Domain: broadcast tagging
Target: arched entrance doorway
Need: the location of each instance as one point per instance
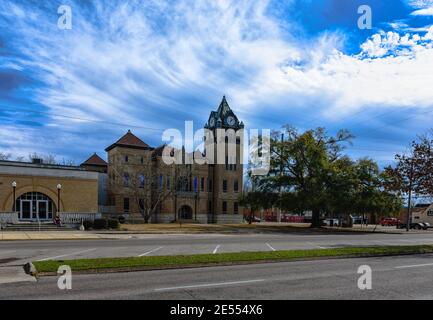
(185, 213)
(34, 206)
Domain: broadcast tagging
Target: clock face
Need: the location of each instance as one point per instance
(231, 121)
(212, 122)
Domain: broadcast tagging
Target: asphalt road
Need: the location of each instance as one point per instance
(19, 252)
(406, 277)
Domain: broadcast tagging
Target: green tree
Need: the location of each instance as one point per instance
(313, 175)
(257, 200)
(301, 165)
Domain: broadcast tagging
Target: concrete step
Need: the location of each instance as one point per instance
(35, 227)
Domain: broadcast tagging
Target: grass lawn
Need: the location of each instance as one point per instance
(234, 228)
(159, 262)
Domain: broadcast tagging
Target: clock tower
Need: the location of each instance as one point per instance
(224, 118)
(226, 176)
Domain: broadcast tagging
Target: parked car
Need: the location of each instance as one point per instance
(359, 220)
(254, 219)
(271, 218)
(414, 225)
(331, 222)
(388, 222)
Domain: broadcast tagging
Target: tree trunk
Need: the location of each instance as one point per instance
(315, 219)
(146, 218)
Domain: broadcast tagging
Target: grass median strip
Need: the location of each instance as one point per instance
(179, 261)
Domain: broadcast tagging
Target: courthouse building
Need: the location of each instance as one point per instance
(134, 183)
(140, 184)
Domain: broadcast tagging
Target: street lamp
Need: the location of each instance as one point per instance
(14, 186)
(59, 187)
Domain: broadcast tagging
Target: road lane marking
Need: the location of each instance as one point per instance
(270, 247)
(315, 245)
(209, 285)
(382, 242)
(415, 266)
(216, 249)
(149, 252)
(66, 255)
(7, 252)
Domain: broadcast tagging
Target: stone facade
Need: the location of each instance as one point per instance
(141, 186)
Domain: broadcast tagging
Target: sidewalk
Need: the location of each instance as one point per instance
(129, 231)
(56, 235)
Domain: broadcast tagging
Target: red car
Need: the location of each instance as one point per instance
(388, 222)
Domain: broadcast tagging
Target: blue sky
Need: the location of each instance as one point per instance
(151, 65)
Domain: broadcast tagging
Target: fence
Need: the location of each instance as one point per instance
(8, 217)
(76, 218)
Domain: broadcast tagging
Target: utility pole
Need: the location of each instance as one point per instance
(281, 175)
(410, 197)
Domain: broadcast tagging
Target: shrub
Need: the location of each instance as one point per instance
(122, 219)
(99, 224)
(88, 224)
(113, 224)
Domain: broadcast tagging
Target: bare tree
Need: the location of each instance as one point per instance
(47, 159)
(413, 174)
(5, 156)
(146, 188)
(67, 162)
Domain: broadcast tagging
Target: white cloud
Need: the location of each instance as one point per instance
(424, 7)
(128, 63)
(423, 12)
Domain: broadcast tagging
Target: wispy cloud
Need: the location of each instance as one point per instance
(157, 63)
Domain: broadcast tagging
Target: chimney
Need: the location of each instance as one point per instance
(37, 161)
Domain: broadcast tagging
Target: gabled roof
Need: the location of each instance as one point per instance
(94, 160)
(129, 140)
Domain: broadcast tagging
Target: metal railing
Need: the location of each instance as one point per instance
(77, 218)
(8, 217)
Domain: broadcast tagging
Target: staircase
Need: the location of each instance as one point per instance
(31, 226)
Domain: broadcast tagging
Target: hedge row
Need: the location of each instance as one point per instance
(101, 224)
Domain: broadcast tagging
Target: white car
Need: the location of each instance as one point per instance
(331, 222)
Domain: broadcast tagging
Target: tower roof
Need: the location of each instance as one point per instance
(223, 108)
(94, 160)
(129, 140)
(224, 117)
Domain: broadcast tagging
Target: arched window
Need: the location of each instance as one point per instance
(34, 206)
(141, 181)
(126, 180)
(185, 213)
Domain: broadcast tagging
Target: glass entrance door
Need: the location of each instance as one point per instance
(35, 206)
(42, 208)
(26, 211)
